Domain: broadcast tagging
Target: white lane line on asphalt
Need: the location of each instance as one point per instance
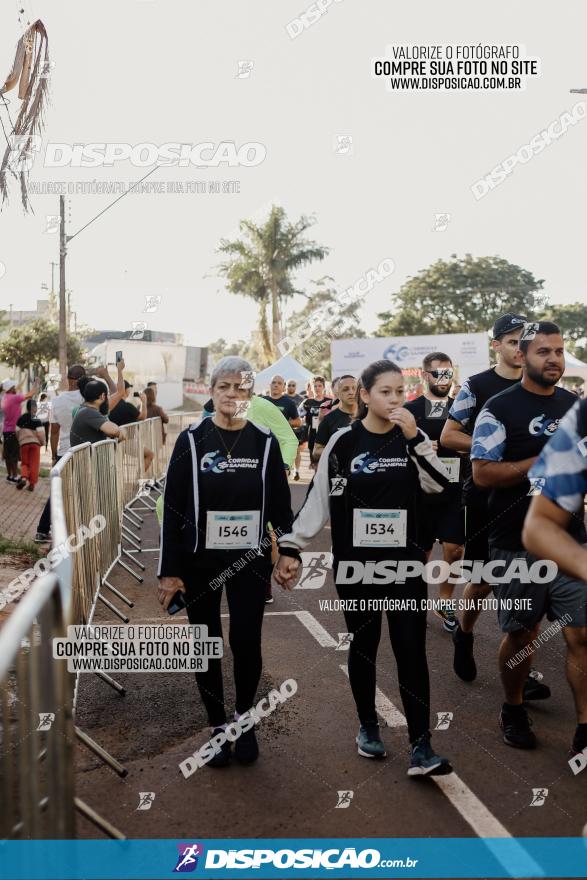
(322, 637)
(392, 716)
(184, 617)
(485, 825)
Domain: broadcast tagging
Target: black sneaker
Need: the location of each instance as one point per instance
(20, 483)
(425, 762)
(516, 729)
(246, 748)
(464, 662)
(448, 617)
(534, 689)
(369, 742)
(224, 756)
(42, 538)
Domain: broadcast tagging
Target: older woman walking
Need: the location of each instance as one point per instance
(225, 483)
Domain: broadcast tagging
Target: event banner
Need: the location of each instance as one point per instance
(469, 352)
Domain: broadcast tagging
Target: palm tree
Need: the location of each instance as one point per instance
(260, 265)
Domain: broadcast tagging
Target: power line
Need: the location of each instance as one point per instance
(69, 237)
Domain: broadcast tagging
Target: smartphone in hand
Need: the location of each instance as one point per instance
(177, 603)
(118, 357)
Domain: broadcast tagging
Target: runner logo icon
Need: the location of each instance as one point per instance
(436, 409)
(314, 569)
(337, 485)
(187, 860)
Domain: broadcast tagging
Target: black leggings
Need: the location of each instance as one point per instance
(245, 592)
(407, 632)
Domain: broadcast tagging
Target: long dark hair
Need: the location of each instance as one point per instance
(369, 377)
(150, 395)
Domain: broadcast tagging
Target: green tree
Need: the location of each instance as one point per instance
(572, 319)
(463, 295)
(315, 329)
(261, 264)
(221, 348)
(36, 344)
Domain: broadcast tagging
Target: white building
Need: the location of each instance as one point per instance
(162, 362)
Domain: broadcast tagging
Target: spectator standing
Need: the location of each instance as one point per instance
(30, 434)
(91, 423)
(44, 415)
(154, 410)
(11, 406)
(125, 413)
(61, 418)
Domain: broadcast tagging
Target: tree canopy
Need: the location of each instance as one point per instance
(261, 265)
(315, 318)
(461, 295)
(36, 344)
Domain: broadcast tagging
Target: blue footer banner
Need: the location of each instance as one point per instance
(294, 857)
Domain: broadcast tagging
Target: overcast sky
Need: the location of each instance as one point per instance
(155, 71)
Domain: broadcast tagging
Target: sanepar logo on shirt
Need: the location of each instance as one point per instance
(218, 463)
(365, 463)
(542, 425)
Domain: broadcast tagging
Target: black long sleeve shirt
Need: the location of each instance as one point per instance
(368, 485)
(217, 507)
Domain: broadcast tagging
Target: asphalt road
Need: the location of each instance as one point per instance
(308, 751)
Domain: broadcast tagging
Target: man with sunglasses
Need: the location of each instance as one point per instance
(441, 516)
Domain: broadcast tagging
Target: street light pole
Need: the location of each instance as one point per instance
(62, 303)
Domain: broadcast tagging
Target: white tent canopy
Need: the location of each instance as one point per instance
(575, 367)
(289, 368)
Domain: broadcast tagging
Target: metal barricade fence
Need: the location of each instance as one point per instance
(78, 495)
(37, 722)
(132, 461)
(107, 503)
(37, 693)
(104, 479)
(37, 731)
(178, 422)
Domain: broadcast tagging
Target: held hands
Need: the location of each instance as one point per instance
(286, 572)
(404, 419)
(168, 587)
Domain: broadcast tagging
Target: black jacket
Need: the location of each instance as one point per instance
(183, 531)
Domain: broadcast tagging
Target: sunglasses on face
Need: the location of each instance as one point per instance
(441, 374)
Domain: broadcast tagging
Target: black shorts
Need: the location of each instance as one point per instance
(11, 450)
(564, 599)
(477, 527)
(441, 522)
(301, 434)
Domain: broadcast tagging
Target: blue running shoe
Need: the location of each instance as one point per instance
(369, 742)
(425, 762)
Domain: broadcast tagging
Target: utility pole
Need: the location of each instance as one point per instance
(62, 303)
